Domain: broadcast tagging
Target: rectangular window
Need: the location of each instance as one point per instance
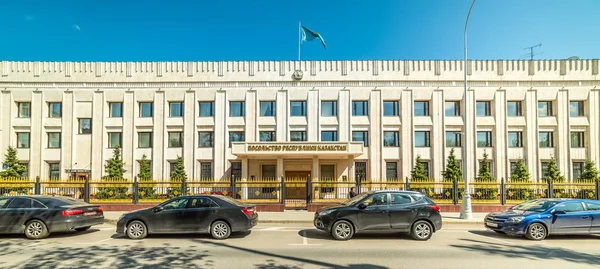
(513, 166)
(576, 109)
(577, 169)
(85, 126)
(54, 170)
(577, 140)
(144, 139)
(23, 140)
(298, 108)
(453, 140)
(484, 139)
(237, 108)
(391, 170)
(328, 108)
(515, 139)
(514, 109)
(205, 170)
(24, 109)
(362, 136)
(360, 108)
(329, 136)
(54, 140)
(483, 108)
(390, 108)
(172, 168)
(54, 110)
(452, 108)
(544, 167)
(426, 168)
(236, 170)
(207, 108)
(545, 109)
(175, 139)
(115, 109)
(26, 173)
(298, 136)
(421, 108)
(236, 137)
(206, 139)
(176, 109)
(267, 108)
(360, 171)
(114, 140)
(490, 164)
(546, 139)
(266, 136)
(327, 172)
(146, 109)
(391, 139)
(422, 139)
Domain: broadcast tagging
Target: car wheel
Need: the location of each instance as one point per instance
(137, 230)
(220, 230)
(536, 231)
(36, 229)
(421, 230)
(342, 230)
(83, 228)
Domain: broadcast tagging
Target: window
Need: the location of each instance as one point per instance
(4, 202)
(361, 136)
(328, 108)
(23, 140)
(114, 140)
(116, 109)
(267, 136)
(298, 136)
(452, 108)
(236, 170)
(85, 126)
(267, 108)
(206, 139)
(546, 139)
(144, 139)
(576, 109)
(360, 171)
(207, 109)
(483, 108)
(54, 170)
(378, 199)
(202, 203)
(24, 109)
(175, 139)
(360, 108)
(172, 165)
(400, 199)
(391, 139)
(20, 203)
(513, 166)
(54, 110)
(426, 168)
(569, 207)
(577, 169)
(237, 109)
(453, 140)
(146, 109)
(590, 206)
(54, 140)
(328, 135)
(298, 108)
(268, 171)
(176, 109)
(422, 139)
(484, 139)
(577, 140)
(422, 108)
(391, 170)
(545, 109)
(180, 203)
(236, 137)
(544, 168)
(327, 174)
(205, 170)
(26, 173)
(514, 109)
(515, 139)
(390, 108)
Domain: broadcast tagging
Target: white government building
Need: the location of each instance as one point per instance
(327, 119)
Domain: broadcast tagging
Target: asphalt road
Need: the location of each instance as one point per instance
(299, 246)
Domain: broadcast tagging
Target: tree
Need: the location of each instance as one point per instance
(419, 172)
(15, 169)
(145, 170)
(553, 173)
(485, 191)
(115, 167)
(146, 184)
(590, 173)
(485, 174)
(419, 179)
(453, 171)
(177, 175)
(520, 172)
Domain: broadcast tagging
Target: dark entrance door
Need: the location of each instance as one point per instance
(295, 189)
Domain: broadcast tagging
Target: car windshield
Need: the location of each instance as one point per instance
(355, 199)
(535, 206)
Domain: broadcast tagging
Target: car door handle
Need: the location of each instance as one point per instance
(585, 217)
(214, 211)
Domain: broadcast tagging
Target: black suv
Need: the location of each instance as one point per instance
(381, 211)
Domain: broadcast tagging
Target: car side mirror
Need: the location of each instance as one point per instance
(559, 212)
(363, 205)
(157, 209)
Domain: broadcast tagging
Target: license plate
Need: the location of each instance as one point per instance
(491, 224)
(89, 213)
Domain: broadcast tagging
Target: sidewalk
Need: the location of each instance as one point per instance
(304, 217)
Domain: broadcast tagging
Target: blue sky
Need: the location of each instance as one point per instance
(208, 30)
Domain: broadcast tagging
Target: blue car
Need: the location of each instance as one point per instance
(536, 219)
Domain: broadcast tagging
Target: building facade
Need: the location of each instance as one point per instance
(338, 120)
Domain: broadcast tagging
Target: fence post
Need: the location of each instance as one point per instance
(550, 189)
(86, 189)
(407, 184)
(308, 190)
(135, 190)
(359, 186)
(37, 188)
(454, 191)
(282, 188)
(502, 192)
(597, 189)
(183, 187)
(233, 187)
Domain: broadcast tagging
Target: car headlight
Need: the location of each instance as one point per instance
(515, 219)
(326, 212)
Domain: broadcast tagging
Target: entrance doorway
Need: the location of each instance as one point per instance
(295, 189)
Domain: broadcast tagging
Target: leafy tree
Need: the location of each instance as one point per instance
(589, 174)
(453, 173)
(145, 169)
(419, 179)
(419, 172)
(177, 176)
(485, 174)
(15, 170)
(146, 189)
(520, 172)
(485, 190)
(553, 174)
(114, 168)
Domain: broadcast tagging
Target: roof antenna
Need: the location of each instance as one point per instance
(531, 54)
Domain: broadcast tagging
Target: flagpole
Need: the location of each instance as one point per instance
(299, 38)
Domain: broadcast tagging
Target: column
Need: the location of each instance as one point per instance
(251, 129)
(438, 135)
(315, 175)
(344, 116)
(594, 131)
(406, 134)
(221, 134)
(36, 135)
(244, 168)
(128, 134)
(531, 133)
(189, 134)
(99, 136)
(280, 171)
(471, 136)
(376, 162)
(282, 116)
(312, 115)
(500, 133)
(562, 137)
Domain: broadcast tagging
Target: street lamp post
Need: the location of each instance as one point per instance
(466, 211)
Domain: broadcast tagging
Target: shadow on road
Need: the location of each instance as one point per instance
(549, 238)
(318, 234)
(234, 236)
(52, 235)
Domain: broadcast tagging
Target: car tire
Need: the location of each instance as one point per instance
(536, 231)
(220, 230)
(36, 229)
(137, 230)
(342, 230)
(421, 230)
(83, 228)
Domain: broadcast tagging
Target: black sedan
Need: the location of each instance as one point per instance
(381, 211)
(38, 216)
(214, 214)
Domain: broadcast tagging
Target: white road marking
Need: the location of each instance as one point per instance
(304, 241)
(272, 229)
(97, 242)
(499, 240)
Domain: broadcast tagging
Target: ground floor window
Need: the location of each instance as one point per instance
(360, 171)
(205, 170)
(327, 174)
(236, 170)
(577, 169)
(54, 170)
(268, 171)
(391, 170)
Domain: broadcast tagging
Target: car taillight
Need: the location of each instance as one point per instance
(100, 209)
(435, 207)
(71, 212)
(248, 211)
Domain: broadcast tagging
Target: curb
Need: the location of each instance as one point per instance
(444, 221)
